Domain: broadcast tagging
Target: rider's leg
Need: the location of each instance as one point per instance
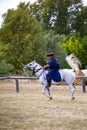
(48, 77)
(49, 82)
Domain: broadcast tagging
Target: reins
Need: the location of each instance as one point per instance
(35, 71)
(41, 73)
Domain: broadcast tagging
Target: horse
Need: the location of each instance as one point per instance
(66, 75)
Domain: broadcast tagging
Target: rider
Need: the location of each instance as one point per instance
(53, 67)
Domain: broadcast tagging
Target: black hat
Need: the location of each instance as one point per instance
(50, 54)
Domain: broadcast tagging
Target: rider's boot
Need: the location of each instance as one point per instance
(49, 82)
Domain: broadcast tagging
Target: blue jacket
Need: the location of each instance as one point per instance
(54, 64)
(53, 70)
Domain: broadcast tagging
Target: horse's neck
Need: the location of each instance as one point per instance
(38, 70)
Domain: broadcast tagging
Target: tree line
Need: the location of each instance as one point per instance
(32, 30)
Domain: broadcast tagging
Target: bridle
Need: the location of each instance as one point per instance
(35, 71)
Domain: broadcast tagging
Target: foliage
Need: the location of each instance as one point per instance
(80, 24)
(54, 44)
(32, 30)
(5, 68)
(21, 37)
(58, 15)
(77, 45)
(65, 17)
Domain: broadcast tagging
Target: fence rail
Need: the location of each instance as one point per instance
(83, 78)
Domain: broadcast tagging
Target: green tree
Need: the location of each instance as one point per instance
(5, 68)
(58, 15)
(80, 22)
(21, 37)
(77, 45)
(54, 44)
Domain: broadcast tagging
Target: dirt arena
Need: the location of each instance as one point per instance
(30, 110)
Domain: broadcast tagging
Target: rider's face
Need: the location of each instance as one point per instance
(49, 57)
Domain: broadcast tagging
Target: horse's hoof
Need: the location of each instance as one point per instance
(73, 98)
(50, 98)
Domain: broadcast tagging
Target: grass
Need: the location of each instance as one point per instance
(29, 110)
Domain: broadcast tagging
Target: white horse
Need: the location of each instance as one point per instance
(66, 75)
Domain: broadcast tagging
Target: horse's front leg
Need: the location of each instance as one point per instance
(48, 90)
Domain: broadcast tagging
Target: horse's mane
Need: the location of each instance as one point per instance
(73, 61)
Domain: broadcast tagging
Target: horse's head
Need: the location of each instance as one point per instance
(73, 61)
(30, 66)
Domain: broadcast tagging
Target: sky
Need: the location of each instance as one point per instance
(9, 4)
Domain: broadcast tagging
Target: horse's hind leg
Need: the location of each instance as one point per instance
(48, 90)
(72, 89)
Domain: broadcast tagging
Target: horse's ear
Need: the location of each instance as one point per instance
(34, 61)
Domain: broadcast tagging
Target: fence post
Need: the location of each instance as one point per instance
(17, 85)
(83, 85)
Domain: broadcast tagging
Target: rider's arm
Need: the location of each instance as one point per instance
(46, 66)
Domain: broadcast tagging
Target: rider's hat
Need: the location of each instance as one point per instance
(50, 54)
